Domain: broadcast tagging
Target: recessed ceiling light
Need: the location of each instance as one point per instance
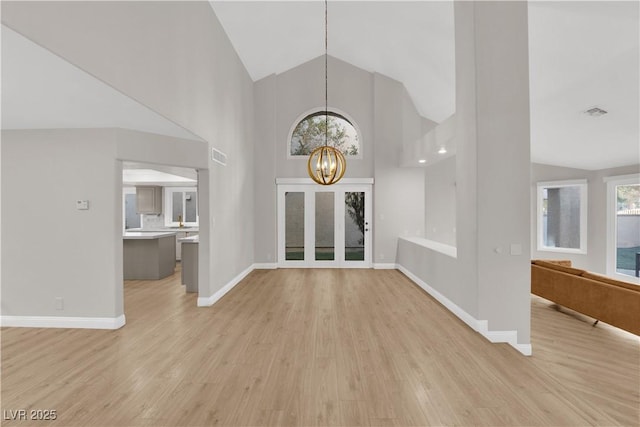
(595, 112)
(442, 150)
(422, 161)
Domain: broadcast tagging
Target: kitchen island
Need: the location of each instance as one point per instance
(149, 255)
(190, 262)
(182, 232)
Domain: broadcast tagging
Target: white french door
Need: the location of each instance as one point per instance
(324, 226)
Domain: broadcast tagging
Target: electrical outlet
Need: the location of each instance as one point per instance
(59, 302)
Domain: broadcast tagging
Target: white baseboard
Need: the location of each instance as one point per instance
(525, 349)
(384, 266)
(510, 337)
(450, 305)
(209, 301)
(265, 266)
(480, 326)
(63, 322)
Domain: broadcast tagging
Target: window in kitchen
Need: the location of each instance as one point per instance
(181, 206)
(562, 216)
(130, 217)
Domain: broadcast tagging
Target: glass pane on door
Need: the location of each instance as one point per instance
(325, 227)
(354, 226)
(628, 229)
(294, 226)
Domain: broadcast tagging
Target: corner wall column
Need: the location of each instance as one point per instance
(493, 158)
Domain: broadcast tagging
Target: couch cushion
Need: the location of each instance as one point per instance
(609, 280)
(558, 267)
(562, 262)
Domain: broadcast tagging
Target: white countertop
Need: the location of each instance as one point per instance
(163, 229)
(190, 239)
(137, 235)
(449, 250)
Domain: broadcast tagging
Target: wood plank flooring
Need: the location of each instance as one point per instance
(318, 348)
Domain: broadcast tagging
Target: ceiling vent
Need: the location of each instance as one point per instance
(219, 157)
(595, 112)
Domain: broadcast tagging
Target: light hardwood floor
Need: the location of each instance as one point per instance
(318, 347)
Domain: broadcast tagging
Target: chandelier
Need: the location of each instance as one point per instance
(326, 164)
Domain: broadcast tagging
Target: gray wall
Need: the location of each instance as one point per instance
(504, 157)
(385, 116)
(51, 249)
(440, 201)
(596, 257)
(265, 105)
(492, 125)
(398, 201)
(175, 58)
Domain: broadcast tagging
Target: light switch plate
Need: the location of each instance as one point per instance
(82, 205)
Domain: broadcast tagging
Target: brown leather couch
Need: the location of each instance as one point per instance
(612, 301)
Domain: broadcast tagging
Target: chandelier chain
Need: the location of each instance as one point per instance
(326, 164)
(326, 77)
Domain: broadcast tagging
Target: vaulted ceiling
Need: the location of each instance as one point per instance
(582, 54)
(40, 90)
(412, 42)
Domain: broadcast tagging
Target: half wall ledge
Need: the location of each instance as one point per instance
(442, 248)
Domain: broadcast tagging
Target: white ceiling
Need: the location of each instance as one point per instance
(401, 40)
(582, 54)
(141, 173)
(43, 91)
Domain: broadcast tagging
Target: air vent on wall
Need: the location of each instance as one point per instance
(595, 112)
(218, 156)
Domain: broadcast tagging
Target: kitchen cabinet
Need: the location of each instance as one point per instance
(148, 256)
(190, 263)
(149, 200)
(181, 235)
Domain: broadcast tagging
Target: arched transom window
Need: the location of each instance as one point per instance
(310, 133)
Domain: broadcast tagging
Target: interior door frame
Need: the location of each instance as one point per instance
(309, 188)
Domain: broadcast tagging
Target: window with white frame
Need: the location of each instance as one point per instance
(562, 216)
(623, 227)
(181, 206)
